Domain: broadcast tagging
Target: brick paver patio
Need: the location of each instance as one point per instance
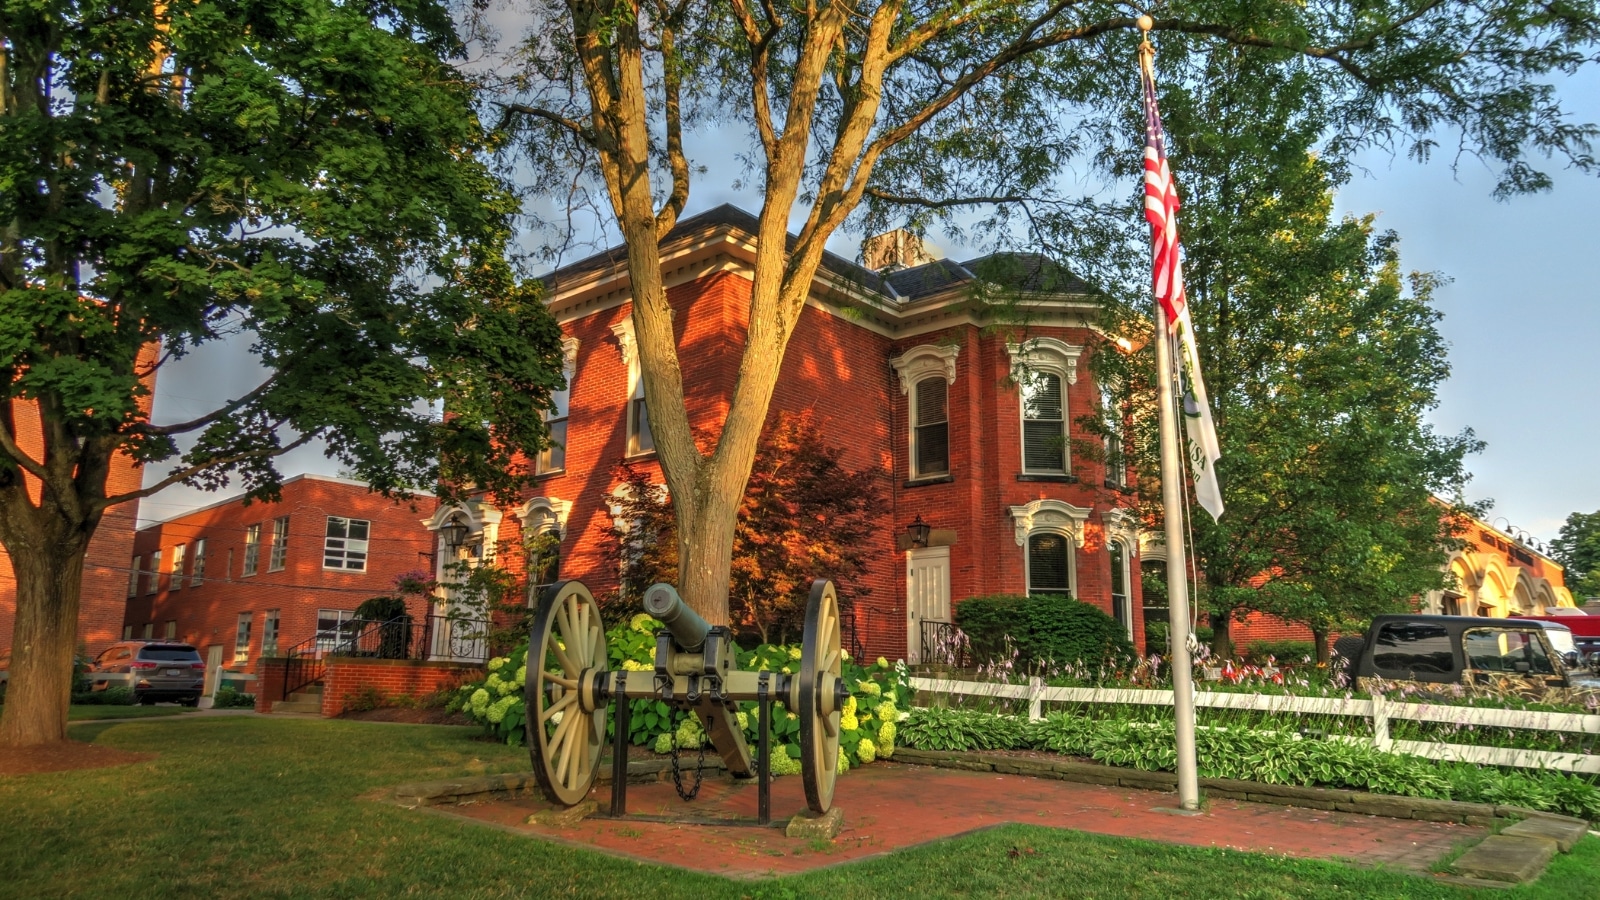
(888, 806)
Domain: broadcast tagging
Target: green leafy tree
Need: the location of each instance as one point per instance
(1577, 548)
(804, 516)
(300, 174)
(1321, 360)
(966, 113)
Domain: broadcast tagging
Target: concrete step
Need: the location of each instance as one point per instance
(306, 697)
(1564, 830)
(1506, 858)
(311, 707)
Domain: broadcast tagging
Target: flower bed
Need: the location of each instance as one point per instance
(879, 694)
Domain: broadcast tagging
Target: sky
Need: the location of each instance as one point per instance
(1520, 317)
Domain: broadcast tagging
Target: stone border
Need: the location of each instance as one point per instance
(1063, 769)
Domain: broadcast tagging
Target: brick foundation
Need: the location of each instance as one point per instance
(346, 677)
(270, 673)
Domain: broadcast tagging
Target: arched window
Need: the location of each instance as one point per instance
(1044, 424)
(1121, 606)
(1049, 564)
(930, 440)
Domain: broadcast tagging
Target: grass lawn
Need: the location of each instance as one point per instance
(78, 713)
(258, 807)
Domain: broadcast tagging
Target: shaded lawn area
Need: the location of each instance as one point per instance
(80, 713)
(259, 807)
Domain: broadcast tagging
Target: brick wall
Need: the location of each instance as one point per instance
(837, 371)
(207, 614)
(347, 677)
(270, 674)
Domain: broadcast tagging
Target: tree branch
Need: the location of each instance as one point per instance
(584, 132)
(191, 471)
(672, 83)
(208, 418)
(9, 445)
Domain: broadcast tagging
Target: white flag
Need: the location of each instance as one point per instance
(1197, 425)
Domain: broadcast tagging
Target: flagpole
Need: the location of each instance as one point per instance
(1172, 506)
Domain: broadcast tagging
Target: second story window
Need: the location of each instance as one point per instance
(197, 571)
(177, 567)
(133, 577)
(553, 458)
(640, 440)
(154, 583)
(280, 544)
(345, 546)
(930, 435)
(252, 549)
(1044, 425)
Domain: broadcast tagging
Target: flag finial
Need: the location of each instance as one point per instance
(1146, 23)
(1146, 51)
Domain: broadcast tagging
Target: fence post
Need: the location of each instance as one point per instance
(1035, 702)
(1380, 721)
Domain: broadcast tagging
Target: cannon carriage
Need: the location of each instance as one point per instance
(695, 670)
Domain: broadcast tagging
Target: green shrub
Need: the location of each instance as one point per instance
(962, 729)
(111, 696)
(1045, 631)
(231, 698)
(1290, 652)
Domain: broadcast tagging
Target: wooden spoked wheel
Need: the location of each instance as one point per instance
(820, 664)
(567, 641)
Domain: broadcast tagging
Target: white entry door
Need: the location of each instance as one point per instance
(213, 668)
(927, 594)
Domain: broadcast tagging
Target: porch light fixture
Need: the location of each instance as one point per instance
(918, 531)
(454, 534)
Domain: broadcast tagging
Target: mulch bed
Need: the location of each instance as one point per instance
(409, 716)
(64, 757)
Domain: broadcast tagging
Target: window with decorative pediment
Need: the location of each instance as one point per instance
(1044, 367)
(926, 373)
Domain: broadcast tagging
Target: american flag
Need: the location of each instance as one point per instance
(1161, 211)
(1161, 208)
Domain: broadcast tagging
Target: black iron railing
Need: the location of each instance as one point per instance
(448, 638)
(943, 644)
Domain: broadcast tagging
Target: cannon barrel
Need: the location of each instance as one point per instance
(688, 630)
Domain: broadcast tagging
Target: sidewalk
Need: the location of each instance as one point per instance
(888, 806)
(178, 717)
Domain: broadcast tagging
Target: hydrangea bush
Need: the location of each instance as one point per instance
(880, 698)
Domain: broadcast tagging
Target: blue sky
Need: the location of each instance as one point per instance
(1521, 318)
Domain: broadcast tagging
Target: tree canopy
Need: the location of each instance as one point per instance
(1577, 548)
(973, 116)
(1321, 358)
(301, 175)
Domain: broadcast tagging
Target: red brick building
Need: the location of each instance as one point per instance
(973, 425)
(105, 565)
(241, 581)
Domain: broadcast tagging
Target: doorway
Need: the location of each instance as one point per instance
(927, 597)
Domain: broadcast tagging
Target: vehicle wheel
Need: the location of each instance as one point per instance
(190, 701)
(147, 701)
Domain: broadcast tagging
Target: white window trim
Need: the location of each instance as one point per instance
(154, 584)
(541, 514)
(628, 344)
(179, 551)
(569, 370)
(1072, 560)
(1045, 355)
(252, 560)
(914, 366)
(197, 566)
(278, 555)
(366, 554)
(1128, 571)
(1050, 517)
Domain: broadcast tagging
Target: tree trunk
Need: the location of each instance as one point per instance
(49, 576)
(1222, 634)
(1319, 637)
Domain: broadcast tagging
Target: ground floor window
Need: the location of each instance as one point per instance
(241, 640)
(1049, 564)
(334, 626)
(269, 634)
(1121, 607)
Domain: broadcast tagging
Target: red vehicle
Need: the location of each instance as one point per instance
(1585, 628)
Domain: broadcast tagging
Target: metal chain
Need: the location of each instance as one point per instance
(677, 772)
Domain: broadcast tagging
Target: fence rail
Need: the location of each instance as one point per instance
(1378, 710)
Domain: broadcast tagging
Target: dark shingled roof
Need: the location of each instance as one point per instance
(1017, 271)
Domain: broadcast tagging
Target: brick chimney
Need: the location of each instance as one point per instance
(898, 249)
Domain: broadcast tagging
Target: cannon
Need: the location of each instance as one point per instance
(694, 670)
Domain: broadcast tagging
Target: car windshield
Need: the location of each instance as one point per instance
(1561, 639)
(170, 654)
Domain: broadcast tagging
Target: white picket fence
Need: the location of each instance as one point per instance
(1377, 709)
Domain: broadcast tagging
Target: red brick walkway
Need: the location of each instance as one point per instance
(888, 806)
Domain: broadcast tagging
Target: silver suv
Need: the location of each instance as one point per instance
(160, 670)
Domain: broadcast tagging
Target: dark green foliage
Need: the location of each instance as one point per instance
(232, 698)
(112, 696)
(962, 729)
(393, 640)
(1578, 549)
(1292, 653)
(1044, 631)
